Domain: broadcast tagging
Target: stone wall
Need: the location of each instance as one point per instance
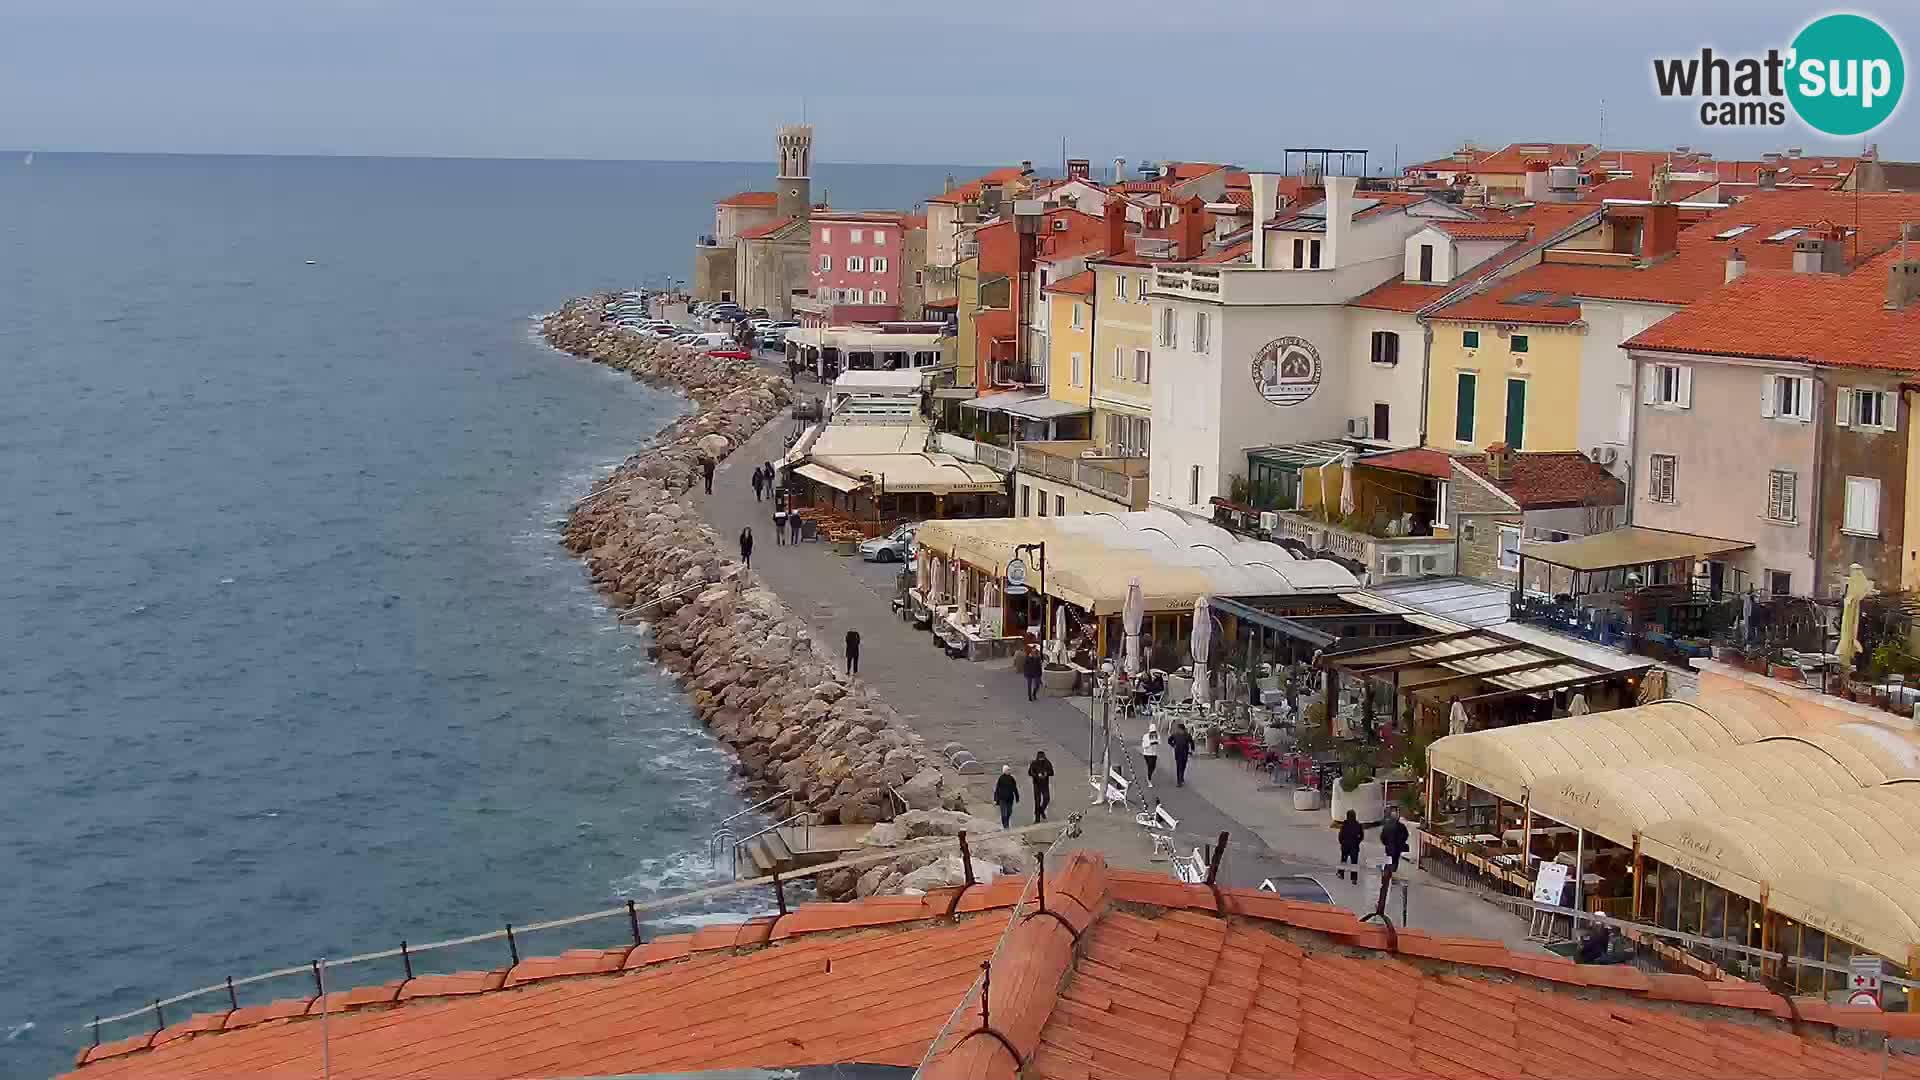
(751, 668)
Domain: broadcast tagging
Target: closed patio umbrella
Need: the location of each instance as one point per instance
(1202, 640)
(1347, 503)
(1132, 613)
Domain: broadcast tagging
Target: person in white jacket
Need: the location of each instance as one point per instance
(1150, 750)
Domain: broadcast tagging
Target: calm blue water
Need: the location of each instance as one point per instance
(291, 663)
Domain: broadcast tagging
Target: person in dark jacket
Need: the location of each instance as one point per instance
(1182, 743)
(759, 481)
(1041, 773)
(853, 652)
(706, 473)
(793, 522)
(746, 545)
(1031, 666)
(1393, 836)
(1593, 947)
(1351, 833)
(1006, 792)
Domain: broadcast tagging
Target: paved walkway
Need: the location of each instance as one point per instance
(983, 706)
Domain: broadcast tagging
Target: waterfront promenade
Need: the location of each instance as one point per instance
(984, 707)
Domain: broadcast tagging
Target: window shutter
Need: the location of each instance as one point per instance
(1890, 410)
(1686, 387)
(1650, 385)
(1769, 388)
(1843, 406)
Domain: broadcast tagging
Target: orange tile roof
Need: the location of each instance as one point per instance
(764, 231)
(1419, 461)
(1811, 318)
(1231, 253)
(971, 188)
(1486, 230)
(1641, 187)
(1551, 480)
(1698, 266)
(750, 198)
(1125, 974)
(1080, 284)
(1514, 157)
(1401, 295)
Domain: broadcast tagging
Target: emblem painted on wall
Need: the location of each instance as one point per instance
(1286, 370)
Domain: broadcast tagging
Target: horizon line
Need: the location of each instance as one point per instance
(23, 150)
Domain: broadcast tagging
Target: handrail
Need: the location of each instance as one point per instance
(721, 830)
(745, 840)
(631, 910)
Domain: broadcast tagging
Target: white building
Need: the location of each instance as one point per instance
(1269, 351)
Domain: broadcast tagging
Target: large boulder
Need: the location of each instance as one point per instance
(923, 791)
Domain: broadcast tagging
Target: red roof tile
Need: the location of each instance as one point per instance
(764, 231)
(1419, 462)
(1401, 295)
(1080, 284)
(750, 198)
(1486, 230)
(1551, 479)
(1812, 318)
(962, 192)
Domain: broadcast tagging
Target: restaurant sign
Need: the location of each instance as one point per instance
(1286, 370)
(1016, 583)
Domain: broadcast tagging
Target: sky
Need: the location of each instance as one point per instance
(881, 80)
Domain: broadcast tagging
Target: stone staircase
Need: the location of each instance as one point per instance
(795, 847)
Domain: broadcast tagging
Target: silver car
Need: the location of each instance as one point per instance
(893, 547)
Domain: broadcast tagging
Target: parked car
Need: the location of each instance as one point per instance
(730, 354)
(892, 547)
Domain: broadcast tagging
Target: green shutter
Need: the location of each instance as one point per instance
(1516, 412)
(1463, 404)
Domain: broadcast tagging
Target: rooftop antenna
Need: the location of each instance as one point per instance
(1603, 123)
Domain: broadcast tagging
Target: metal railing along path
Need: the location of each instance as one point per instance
(632, 910)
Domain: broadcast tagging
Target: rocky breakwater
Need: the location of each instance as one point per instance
(752, 669)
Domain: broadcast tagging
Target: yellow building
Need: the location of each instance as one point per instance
(1070, 317)
(1511, 381)
(1120, 373)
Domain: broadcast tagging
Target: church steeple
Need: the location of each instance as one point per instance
(794, 186)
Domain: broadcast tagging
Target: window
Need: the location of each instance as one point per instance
(1079, 316)
(1142, 366)
(1079, 372)
(1380, 411)
(1443, 504)
(1141, 288)
(856, 296)
(1519, 342)
(1026, 500)
(856, 263)
(1128, 434)
(1465, 391)
(1516, 414)
(1470, 339)
(1193, 485)
(1871, 409)
(1043, 504)
(1779, 583)
(1787, 397)
(1863, 506)
(1386, 347)
(879, 263)
(1120, 286)
(1782, 490)
(1169, 331)
(1728, 234)
(1201, 335)
(879, 238)
(826, 236)
(919, 277)
(1509, 547)
(826, 262)
(1299, 253)
(1060, 505)
(1426, 262)
(1668, 384)
(1660, 470)
(1313, 254)
(854, 236)
(1119, 362)
(877, 296)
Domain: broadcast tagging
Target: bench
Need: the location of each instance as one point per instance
(1191, 869)
(1112, 792)
(1162, 826)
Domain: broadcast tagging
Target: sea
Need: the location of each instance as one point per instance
(292, 664)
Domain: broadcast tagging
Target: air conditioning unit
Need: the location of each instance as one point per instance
(1357, 427)
(1269, 521)
(1059, 224)
(1604, 455)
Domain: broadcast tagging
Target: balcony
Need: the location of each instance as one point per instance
(1378, 557)
(1121, 479)
(706, 240)
(998, 458)
(1246, 285)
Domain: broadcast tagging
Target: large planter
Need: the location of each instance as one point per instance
(1368, 802)
(1306, 799)
(1058, 679)
(1785, 672)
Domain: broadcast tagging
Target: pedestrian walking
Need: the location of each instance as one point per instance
(1150, 750)
(853, 652)
(746, 545)
(759, 481)
(1006, 792)
(706, 472)
(1351, 833)
(1393, 836)
(1031, 666)
(1041, 773)
(793, 522)
(767, 470)
(1182, 742)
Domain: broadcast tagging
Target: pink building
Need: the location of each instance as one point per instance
(857, 259)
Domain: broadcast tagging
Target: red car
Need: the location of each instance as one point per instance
(730, 354)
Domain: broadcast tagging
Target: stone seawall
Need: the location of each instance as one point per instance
(752, 669)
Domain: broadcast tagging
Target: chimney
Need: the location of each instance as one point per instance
(1263, 187)
(1339, 219)
(1116, 225)
(1769, 178)
(1026, 168)
(1736, 265)
(1660, 232)
(1079, 169)
(1821, 250)
(1534, 187)
(1193, 229)
(1903, 274)
(1793, 152)
(1499, 462)
(990, 199)
(1119, 170)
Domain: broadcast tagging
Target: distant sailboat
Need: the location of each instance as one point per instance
(29, 157)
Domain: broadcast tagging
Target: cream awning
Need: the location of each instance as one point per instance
(1509, 761)
(936, 474)
(1629, 546)
(823, 475)
(1874, 905)
(1748, 851)
(1786, 770)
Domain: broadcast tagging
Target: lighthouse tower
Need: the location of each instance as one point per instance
(793, 190)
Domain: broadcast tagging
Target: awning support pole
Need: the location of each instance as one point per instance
(1579, 873)
(1636, 876)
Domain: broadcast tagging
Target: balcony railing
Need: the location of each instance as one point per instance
(998, 458)
(1381, 558)
(1123, 480)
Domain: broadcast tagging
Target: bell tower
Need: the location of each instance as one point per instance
(793, 188)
